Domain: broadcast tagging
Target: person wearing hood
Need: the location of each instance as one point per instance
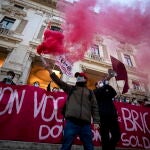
(81, 105)
(108, 115)
(9, 78)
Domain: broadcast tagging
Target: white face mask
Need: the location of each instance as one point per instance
(106, 82)
(36, 85)
(101, 84)
(80, 79)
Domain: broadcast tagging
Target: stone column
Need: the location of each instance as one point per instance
(19, 61)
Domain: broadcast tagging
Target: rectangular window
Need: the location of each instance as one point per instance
(7, 22)
(136, 85)
(95, 52)
(128, 60)
(21, 26)
(40, 34)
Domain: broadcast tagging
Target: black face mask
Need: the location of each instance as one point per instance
(81, 84)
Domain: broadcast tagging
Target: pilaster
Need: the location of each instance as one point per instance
(19, 61)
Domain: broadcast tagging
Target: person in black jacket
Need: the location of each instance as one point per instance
(9, 78)
(108, 115)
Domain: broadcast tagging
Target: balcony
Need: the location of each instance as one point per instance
(7, 34)
(4, 31)
(138, 92)
(94, 57)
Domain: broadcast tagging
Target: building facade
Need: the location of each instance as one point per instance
(22, 23)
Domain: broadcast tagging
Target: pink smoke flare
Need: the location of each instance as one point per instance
(126, 24)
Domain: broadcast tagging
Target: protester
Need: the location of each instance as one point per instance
(49, 86)
(55, 89)
(36, 84)
(81, 103)
(108, 115)
(134, 102)
(9, 78)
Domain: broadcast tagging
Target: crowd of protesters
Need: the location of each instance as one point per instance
(119, 98)
(97, 103)
(132, 100)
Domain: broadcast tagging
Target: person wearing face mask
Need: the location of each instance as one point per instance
(36, 84)
(108, 115)
(80, 107)
(9, 78)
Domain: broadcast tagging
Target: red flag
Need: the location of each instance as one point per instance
(121, 72)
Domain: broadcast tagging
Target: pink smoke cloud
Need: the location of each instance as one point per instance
(79, 28)
(52, 43)
(127, 24)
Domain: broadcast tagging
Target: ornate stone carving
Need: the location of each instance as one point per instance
(13, 11)
(55, 21)
(126, 47)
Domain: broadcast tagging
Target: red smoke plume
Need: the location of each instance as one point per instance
(127, 24)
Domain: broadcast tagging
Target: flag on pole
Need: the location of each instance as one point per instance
(121, 73)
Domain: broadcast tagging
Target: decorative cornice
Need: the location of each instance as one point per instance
(126, 48)
(34, 5)
(49, 3)
(13, 11)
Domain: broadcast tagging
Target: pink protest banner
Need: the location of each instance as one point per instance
(32, 114)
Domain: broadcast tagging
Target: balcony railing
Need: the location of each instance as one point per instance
(8, 34)
(5, 31)
(94, 57)
(138, 92)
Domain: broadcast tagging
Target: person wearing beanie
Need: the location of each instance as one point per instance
(80, 106)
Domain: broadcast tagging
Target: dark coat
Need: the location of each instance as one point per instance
(8, 81)
(104, 96)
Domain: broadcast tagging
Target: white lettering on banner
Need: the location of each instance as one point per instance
(134, 141)
(144, 120)
(50, 131)
(0, 90)
(96, 136)
(36, 108)
(136, 119)
(42, 107)
(13, 98)
(146, 142)
(45, 131)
